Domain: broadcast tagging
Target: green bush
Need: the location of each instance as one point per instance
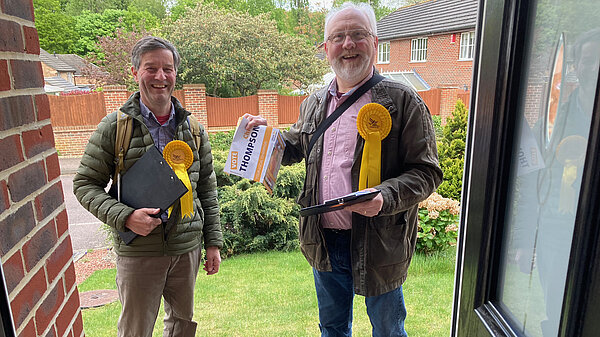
(290, 181)
(251, 219)
(437, 126)
(438, 224)
(451, 150)
(221, 141)
(254, 221)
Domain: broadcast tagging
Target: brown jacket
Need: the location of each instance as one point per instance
(382, 246)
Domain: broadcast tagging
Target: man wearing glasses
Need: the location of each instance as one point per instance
(365, 248)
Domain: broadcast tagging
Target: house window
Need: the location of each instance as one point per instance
(467, 45)
(418, 50)
(383, 52)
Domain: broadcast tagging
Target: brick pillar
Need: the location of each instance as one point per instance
(195, 102)
(268, 106)
(35, 246)
(449, 97)
(114, 97)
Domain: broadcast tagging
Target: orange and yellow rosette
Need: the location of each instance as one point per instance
(180, 157)
(374, 124)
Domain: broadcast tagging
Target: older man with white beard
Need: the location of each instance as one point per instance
(365, 248)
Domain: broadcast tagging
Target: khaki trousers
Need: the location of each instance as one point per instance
(142, 281)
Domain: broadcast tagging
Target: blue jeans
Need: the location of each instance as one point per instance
(335, 294)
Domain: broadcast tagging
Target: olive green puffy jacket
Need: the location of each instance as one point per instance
(97, 167)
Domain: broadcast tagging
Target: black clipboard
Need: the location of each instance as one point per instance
(149, 183)
(339, 203)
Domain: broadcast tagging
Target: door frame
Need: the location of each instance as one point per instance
(6, 320)
(500, 29)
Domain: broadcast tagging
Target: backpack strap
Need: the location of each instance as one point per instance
(123, 138)
(195, 128)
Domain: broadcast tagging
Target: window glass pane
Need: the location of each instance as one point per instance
(467, 44)
(418, 49)
(558, 86)
(383, 52)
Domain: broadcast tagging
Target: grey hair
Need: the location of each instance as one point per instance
(363, 7)
(150, 43)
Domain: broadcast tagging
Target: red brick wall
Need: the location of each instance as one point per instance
(114, 97)
(268, 106)
(35, 246)
(195, 101)
(442, 68)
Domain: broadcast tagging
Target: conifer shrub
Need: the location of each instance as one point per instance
(437, 126)
(451, 152)
(252, 220)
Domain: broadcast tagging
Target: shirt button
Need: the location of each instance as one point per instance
(329, 153)
(325, 177)
(333, 130)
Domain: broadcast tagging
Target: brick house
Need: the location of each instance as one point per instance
(430, 44)
(63, 72)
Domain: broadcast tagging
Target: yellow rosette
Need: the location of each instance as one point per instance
(180, 157)
(571, 154)
(374, 124)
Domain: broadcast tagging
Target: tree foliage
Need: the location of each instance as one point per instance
(92, 26)
(293, 17)
(235, 53)
(78, 7)
(114, 60)
(451, 151)
(74, 26)
(56, 30)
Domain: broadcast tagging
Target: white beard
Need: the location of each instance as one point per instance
(352, 74)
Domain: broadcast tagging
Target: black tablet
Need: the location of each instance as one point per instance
(339, 202)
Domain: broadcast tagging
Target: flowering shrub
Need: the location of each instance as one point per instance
(438, 223)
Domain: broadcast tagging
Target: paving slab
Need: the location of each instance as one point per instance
(87, 232)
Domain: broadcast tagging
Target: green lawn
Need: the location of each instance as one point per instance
(272, 294)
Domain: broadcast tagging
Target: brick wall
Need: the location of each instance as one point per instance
(114, 97)
(442, 68)
(195, 101)
(268, 106)
(35, 246)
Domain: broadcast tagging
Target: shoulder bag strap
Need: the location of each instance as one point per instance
(376, 78)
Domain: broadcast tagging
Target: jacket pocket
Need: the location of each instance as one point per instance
(308, 130)
(389, 241)
(305, 197)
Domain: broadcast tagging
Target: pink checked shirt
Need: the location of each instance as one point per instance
(339, 142)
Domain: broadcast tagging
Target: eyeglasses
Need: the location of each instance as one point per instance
(356, 35)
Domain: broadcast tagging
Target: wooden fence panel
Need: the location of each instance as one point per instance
(223, 112)
(289, 108)
(77, 110)
(432, 99)
(465, 97)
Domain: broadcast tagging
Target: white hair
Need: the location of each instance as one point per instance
(363, 7)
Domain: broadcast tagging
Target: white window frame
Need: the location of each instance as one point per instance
(467, 46)
(383, 52)
(418, 49)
